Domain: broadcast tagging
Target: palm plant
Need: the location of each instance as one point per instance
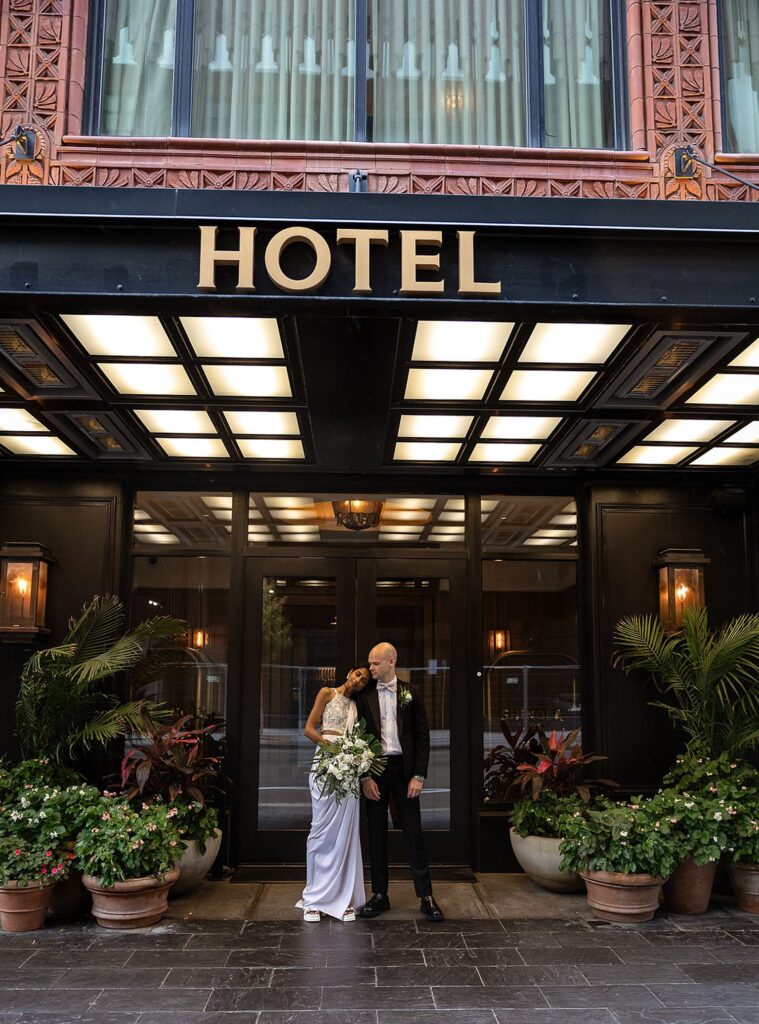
(64, 706)
(709, 679)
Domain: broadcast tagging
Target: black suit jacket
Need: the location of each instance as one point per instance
(413, 731)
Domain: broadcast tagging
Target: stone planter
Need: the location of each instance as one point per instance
(194, 865)
(135, 903)
(539, 858)
(745, 879)
(23, 907)
(690, 887)
(616, 896)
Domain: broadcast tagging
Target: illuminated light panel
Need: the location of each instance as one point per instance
(487, 505)
(20, 420)
(571, 507)
(465, 341)
(748, 357)
(443, 528)
(723, 456)
(249, 381)
(689, 431)
(104, 335)
(564, 519)
(149, 528)
(520, 428)
(453, 517)
(398, 538)
(158, 538)
(426, 451)
(194, 447)
(437, 536)
(442, 385)
(263, 448)
(233, 337)
(176, 421)
(399, 528)
(405, 515)
(224, 515)
(539, 542)
(300, 528)
(455, 504)
(728, 389)
(559, 534)
(656, 455)
(249, 422)
(412, 503)
(293, 514)
(504, 452)
(35, 444)
(746, 435)
(573, 343)
(218, 500)
(546, 385)
(253, 513)
(148, 378)
(139, 515)
(299, 537)
(434, 426)
(294, 502)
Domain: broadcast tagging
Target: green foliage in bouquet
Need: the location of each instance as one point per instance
(341, 764)
(629, 838)
(545, 816)
(118, 841)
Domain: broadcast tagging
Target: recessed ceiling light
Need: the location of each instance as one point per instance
(35, 444)
(413, 503)
(748, 357)
(194, 447)
(263, 448)
(176, 421)
(573, 343)
(233, 337)
(289, 502)
(434, 426)
(465, 341)
(728, 389)
(405, 515)
(426, 451)
(520, 428)
(105, 335)
(20, 420)
(690, 431)
(504, 452)
(148, 378)
(723, 456)
(248, 381)
(746, 435)
(538, 542)
(546, 385)
(157, 538)
(450, 385)
(656, 455)
(249, 422)
(218, 500)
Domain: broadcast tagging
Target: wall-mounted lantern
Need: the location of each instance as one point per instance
(681, 584)
(23, 590)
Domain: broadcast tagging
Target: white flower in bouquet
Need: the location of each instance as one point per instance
(342, 764)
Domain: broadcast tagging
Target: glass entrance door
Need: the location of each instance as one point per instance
(308, 621)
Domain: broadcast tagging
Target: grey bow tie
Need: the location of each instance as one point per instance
(386, 686)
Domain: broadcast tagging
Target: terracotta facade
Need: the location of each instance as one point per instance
(673, 99)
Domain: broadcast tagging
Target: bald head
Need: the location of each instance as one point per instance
(382, 659)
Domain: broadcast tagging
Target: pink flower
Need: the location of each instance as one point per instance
(55, 871)
(71, 856)
(44, 871)
(17, 852)
(105, 816)
(48, 853)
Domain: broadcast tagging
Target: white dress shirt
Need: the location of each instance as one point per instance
(388, 702)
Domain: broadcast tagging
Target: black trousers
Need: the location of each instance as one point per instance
(393, 780)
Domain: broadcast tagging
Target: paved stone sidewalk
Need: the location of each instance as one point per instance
(478, 971)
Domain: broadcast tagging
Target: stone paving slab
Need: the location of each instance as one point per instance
(482, 970)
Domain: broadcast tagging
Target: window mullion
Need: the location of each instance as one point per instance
(533, 19)
(181, 114)
(94, 73)
(360, 82)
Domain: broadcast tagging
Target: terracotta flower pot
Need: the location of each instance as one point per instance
(745, 879)
(23, 907)
(690, 887)
(539, 858)
(616, 896)
(135, 903)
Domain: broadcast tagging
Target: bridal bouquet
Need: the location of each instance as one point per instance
(340, 765)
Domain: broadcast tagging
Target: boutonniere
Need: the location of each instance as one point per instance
(404, 696)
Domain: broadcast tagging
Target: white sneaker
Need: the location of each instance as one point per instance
(309, 914)
(349, 915)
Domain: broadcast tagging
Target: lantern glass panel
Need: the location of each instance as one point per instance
(17, 608)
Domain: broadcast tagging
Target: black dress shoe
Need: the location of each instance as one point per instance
(430, 909)
(378, 904)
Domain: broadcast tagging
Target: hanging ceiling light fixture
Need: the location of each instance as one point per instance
(357, 514)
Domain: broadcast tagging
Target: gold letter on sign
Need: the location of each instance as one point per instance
(467, 283)
(363, 239)
(210, 256)
(412, 261)
(277, 246)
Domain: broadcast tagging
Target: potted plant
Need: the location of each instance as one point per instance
(128, 856)
(556, 787)
(171, 766)
(744, 864)
(624, 853)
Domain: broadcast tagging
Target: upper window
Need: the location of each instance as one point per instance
(740, 74)
(471, 72)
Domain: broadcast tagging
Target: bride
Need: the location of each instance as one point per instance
(334, 868)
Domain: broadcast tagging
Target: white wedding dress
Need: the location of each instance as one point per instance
(334, 868)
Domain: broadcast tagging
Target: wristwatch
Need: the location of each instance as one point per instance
(420, 777)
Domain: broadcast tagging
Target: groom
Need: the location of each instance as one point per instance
(394, 713)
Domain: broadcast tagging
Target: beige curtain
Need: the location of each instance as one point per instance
(740, 48)
(576, 74)
(447, 71)
(274, 69)
(138, 67)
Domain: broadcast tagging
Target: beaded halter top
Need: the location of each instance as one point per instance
(337, 713)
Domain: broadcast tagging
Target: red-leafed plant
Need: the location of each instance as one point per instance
(171, 765)
(560, 767)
